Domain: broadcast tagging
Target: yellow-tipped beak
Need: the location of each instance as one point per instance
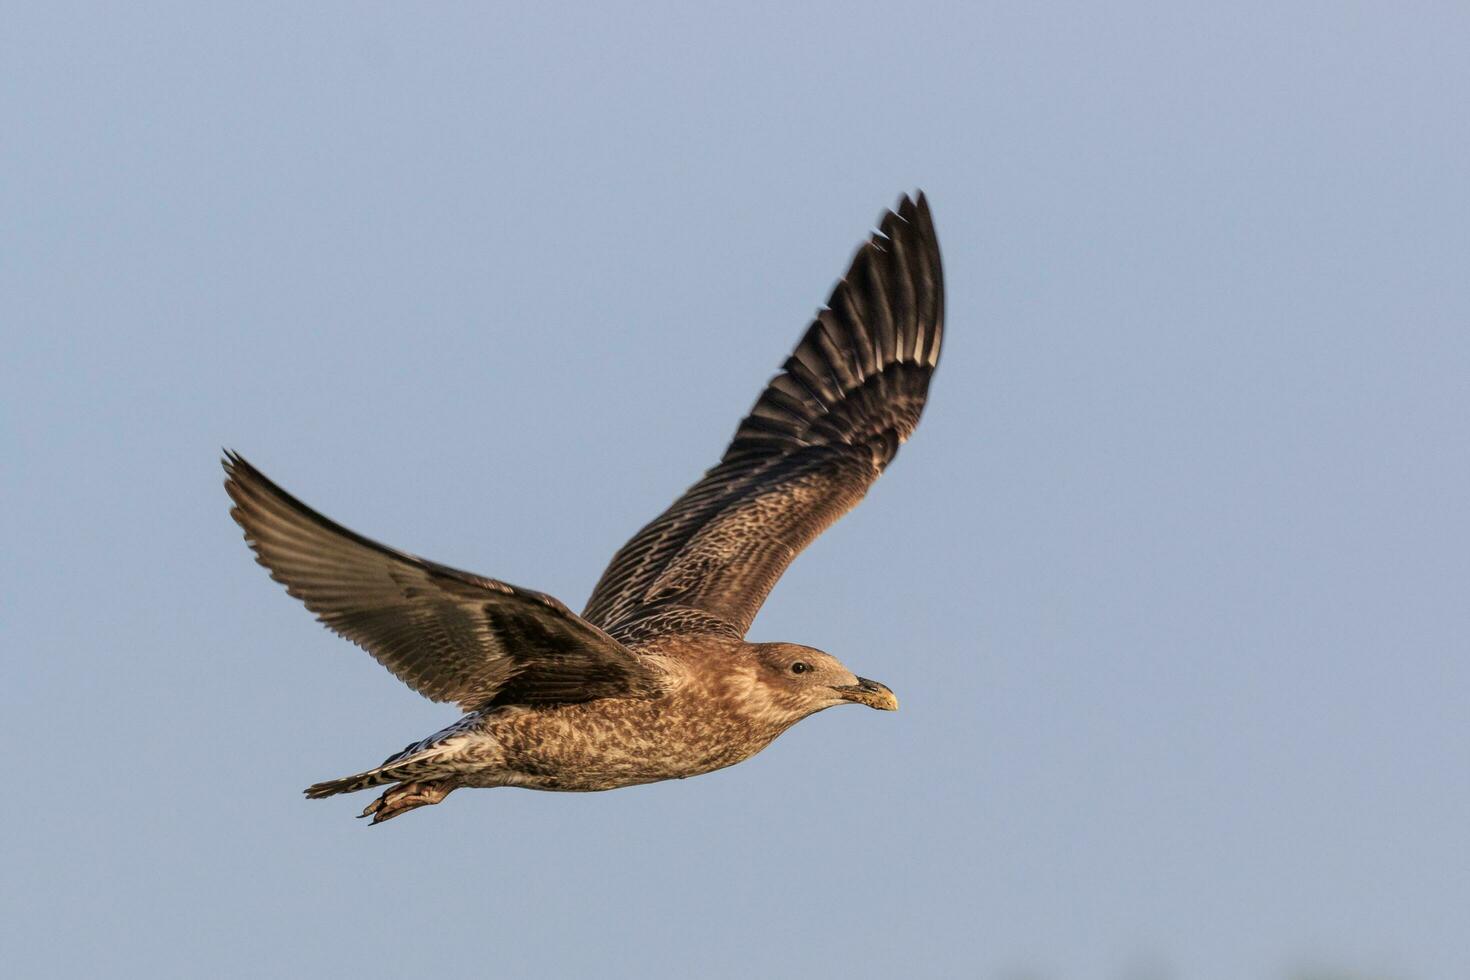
(871, 693)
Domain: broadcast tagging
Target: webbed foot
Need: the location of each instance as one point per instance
(407, 796)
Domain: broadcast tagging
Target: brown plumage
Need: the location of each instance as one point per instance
(654, 680)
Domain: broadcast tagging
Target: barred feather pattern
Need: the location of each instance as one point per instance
(816, 439)
(448, 634)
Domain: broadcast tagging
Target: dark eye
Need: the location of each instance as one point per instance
(800, 668)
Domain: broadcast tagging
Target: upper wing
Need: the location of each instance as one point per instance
(817, 438)
(447, 634)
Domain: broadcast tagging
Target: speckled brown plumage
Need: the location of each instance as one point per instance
(655, 679)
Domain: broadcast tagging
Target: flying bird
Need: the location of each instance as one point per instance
(654, 680)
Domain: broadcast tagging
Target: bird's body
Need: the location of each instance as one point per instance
(712, 714)
(655, 680)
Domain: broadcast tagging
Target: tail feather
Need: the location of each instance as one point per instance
(405, 767)
(349, 784)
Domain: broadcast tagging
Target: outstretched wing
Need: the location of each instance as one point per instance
(817, 438)
(447, 634)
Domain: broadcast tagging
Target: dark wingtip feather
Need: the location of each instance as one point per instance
(886, 314)
(238, 470)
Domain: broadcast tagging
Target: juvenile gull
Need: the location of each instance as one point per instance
(655, 679)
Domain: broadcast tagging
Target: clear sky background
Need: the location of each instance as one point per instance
(1171, 580)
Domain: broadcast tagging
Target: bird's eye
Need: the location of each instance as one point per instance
(800, 668)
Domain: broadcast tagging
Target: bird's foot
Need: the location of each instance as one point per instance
(407, 796)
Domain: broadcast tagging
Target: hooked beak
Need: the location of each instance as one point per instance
(871, 693)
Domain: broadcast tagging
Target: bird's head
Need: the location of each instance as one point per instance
(810, 680)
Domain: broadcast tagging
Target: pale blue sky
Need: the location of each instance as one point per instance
(1171, 580)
